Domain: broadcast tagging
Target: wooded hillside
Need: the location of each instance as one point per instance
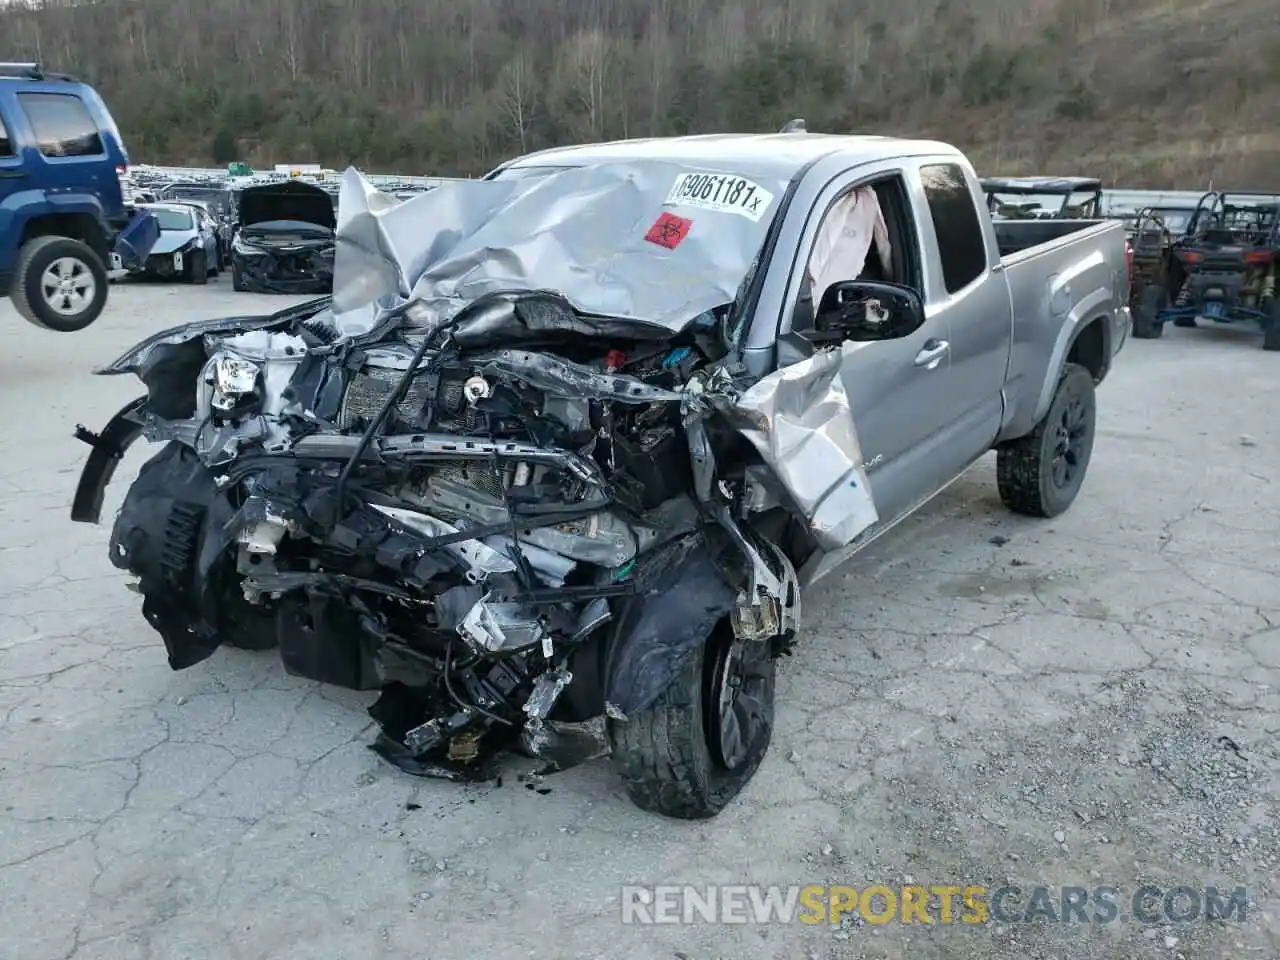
(1141, 92)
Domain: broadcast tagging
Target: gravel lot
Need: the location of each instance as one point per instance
(979, 699)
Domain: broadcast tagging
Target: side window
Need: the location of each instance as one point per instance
(62, 125)
(6, 148)
(865, 234)
(955, 221)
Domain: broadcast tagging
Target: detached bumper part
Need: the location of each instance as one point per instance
(169, 534)
(109, 447)
(134, 242)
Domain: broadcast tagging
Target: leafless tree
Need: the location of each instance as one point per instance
(518, 96)
(451, 86)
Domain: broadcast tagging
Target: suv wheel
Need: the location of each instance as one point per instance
(702, 740)
(59, 284)
(1039, 475)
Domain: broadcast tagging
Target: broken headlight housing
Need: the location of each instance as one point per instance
(236, 383)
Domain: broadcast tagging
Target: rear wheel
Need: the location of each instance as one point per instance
(237, 283)
(698, 745)
(1271, 326)
(1146, 326)
(1039, 475)
(198, 267)
(59, 284)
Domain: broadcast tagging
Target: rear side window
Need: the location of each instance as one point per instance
(6, 148)
(955, 221)
(62, 125)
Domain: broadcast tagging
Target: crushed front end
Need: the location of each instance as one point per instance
(285, 240)
(266, 261)
(507, 523)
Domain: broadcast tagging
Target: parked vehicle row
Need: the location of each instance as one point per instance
(1217, 265)
(1214, 260)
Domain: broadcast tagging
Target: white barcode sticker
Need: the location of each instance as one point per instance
(721, 192)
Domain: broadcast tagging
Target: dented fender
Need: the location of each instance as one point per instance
(109, 446)
(662, 626)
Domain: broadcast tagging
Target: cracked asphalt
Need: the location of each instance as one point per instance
(978, 699)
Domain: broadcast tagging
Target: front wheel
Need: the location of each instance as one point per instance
(59, 284)
(702, 740)
(1039, 475)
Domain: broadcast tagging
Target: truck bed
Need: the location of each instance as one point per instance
(1019, 236)
(1061, 273)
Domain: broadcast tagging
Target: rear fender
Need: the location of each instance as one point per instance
(1095, 305)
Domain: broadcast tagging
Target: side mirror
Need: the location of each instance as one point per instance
(865, 310)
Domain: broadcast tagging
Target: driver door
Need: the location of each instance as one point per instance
(899, 389)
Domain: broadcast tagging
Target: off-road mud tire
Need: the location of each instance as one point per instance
(664, 755)
(198, 268)
(1024, 467)
(1271, 326)
(28, 299)
(1150, 303)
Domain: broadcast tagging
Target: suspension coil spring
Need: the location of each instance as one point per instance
(1184, 295)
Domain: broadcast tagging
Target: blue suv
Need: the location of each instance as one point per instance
(65, 204)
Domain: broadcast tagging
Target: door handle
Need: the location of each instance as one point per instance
(12, 174)
(932, 354)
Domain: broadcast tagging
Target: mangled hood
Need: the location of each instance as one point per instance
(649, 242)
(293, 200)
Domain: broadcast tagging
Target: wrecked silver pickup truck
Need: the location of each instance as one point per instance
(568, 442)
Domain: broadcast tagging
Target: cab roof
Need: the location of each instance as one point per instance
(781, 154)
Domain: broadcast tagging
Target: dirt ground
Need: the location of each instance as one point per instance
(978, 699)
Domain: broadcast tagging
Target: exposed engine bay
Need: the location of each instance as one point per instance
(508, 523)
